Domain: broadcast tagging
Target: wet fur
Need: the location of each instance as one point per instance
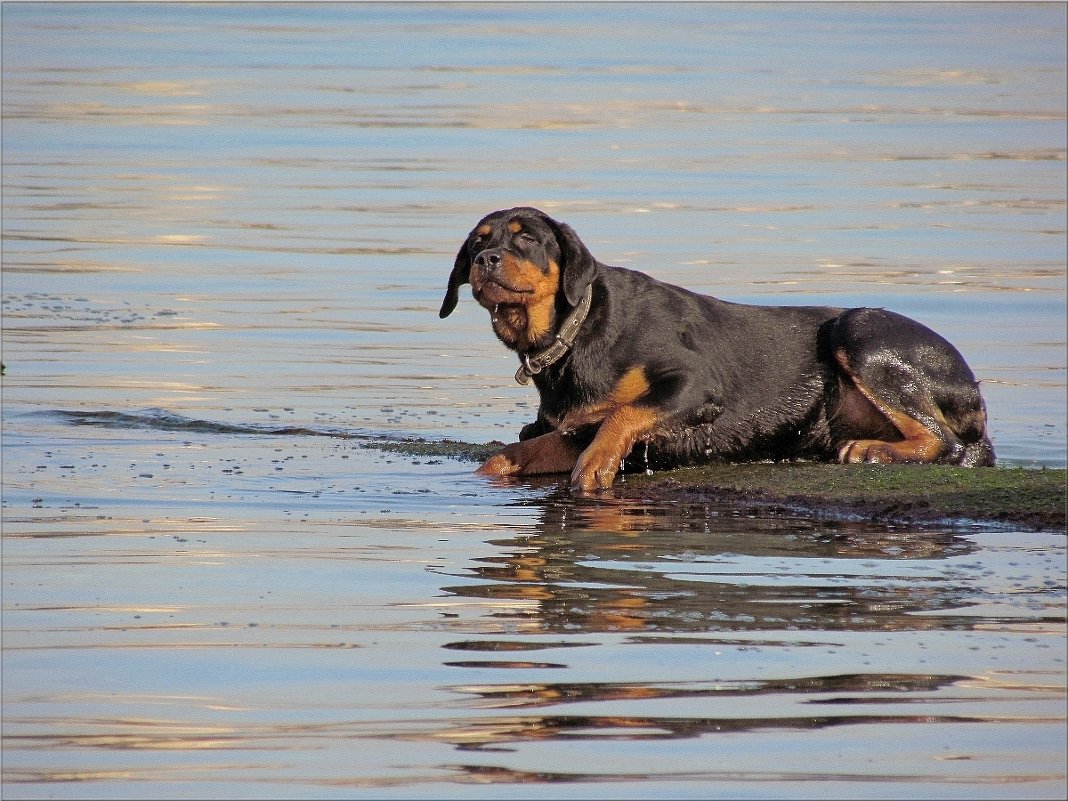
(662, 377)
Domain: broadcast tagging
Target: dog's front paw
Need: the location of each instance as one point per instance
(500, 464)
(549, 453)
(594, 472)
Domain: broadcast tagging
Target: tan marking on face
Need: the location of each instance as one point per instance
(541, 311)
(515, 226)
(484, 230)
(521, 298)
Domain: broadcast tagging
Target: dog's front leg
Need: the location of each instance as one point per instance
(598, 465)
(548, 453)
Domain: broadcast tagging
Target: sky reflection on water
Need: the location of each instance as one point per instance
(227, 231)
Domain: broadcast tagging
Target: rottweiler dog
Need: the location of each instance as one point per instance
(635, 373)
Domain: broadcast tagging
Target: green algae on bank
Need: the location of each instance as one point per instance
(913, 494)
(446, 448)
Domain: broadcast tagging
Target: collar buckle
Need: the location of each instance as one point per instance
(565, 338)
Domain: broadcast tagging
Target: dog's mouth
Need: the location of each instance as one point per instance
(494, 292)
(508, 287)
(510, 321)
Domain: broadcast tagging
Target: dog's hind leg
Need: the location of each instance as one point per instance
(904, 394)
(913, 440)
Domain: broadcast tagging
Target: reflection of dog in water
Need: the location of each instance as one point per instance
(630, 367)
(631, 566)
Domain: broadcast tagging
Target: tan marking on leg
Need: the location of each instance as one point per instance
(549, 453)
(622, 424)
(631, 386)
(597, 466)
(918, 444)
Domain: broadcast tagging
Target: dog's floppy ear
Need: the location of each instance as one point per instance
(461, 274)
(577, 264)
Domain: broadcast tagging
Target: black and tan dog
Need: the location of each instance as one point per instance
(637, 373)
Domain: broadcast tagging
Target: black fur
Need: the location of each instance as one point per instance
(736, 382)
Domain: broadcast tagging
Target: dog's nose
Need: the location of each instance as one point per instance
(489, 258)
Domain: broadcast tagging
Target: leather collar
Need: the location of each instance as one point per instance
(565, 338)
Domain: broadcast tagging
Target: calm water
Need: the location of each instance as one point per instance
(227, 231)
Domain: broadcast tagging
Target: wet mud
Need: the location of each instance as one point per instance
(891, 494)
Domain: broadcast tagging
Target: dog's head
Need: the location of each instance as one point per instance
(525, 268)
